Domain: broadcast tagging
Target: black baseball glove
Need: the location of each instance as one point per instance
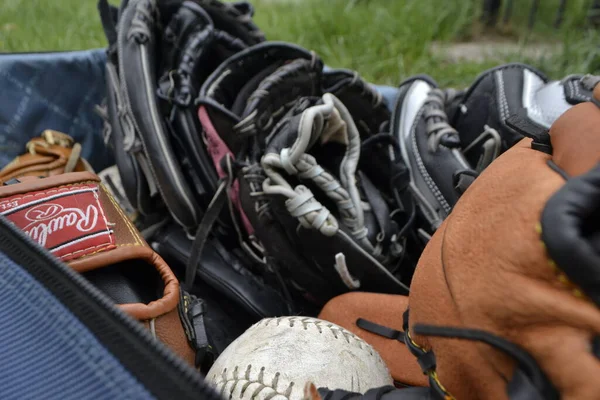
(341, 232)
(159, 54)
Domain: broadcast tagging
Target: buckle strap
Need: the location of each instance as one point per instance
(191, 312)
(380, 330)
(210, 217)
(427, 362)
(522, 125)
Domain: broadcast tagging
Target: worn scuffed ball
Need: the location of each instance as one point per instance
(276, 357)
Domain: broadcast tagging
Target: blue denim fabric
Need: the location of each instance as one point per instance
(47, 353)
(59, 91)
(52, 91)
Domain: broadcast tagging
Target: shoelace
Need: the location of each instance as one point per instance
(439, 130)
(326, 119)
(588, 81)
(301, 202)
(492, 145)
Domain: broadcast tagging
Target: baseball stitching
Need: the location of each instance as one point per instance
(236, 379)
(323, 327)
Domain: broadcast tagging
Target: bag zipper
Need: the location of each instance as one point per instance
(154, 366)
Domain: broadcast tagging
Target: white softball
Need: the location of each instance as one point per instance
(276, 357)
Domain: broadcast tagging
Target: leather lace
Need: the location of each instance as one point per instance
(439, 131)
(528, 380)
(220, 198)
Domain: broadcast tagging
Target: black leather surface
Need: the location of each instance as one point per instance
(192, 31)
(188, 20)
(571, 231)
(227, 18)
(360, 98)
(222, 87)
(382, 393)
(433, 170)
(219, 268)
(135, 184)
(293, 265)
(296, 79)
(483, 107)
(132, 281)
(224, 320)
(244, 65)
(137, 57)
(286, 133)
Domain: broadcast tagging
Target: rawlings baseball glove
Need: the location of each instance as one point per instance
(514, 267)
(73, 216)
(157, 59)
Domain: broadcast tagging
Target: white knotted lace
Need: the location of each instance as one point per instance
(318, 123)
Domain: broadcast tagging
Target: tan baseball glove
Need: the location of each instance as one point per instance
(504, 301)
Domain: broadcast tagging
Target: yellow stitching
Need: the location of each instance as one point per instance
(68, 188)
(133, 231)
(435, 377)
(413, 342)
(432, 374)
(104, 245)
(560, 276)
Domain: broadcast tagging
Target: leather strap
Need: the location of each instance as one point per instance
(380, 330)
(192, 311)
(523, 125)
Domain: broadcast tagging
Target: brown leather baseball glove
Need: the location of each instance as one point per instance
(504, 303)
(74, 216)
(53, 153)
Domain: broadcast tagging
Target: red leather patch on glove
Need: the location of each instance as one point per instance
(70, 222)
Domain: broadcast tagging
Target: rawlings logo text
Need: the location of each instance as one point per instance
(50, 218)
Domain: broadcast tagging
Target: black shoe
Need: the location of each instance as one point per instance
(499, 93)
(430, 147)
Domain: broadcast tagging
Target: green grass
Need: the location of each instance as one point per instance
(385, 40)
